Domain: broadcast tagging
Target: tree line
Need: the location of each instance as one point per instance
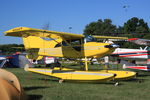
(133, 28)
(7, 49)
(105, 27)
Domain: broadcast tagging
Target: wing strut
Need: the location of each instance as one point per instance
(86, 64)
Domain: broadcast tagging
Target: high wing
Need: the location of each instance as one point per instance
(140, 41)
(110, 37)
(25, 31)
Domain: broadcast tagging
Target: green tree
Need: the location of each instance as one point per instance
(100, 27)
(90, 28)
(120, 30)
(135, 25)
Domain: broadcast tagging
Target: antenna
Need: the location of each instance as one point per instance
(46, 26)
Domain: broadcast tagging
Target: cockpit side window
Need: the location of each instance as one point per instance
(64, 43)
(77, 48)
(75, 42)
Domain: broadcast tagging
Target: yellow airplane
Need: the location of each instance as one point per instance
(39, 43)
(62, 44)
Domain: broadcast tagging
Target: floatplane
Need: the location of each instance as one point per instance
(39, 43)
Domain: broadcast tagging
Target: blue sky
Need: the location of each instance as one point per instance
(62, 14)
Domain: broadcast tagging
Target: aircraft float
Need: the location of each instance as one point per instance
(39, 43)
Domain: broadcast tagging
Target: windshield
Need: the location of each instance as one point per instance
(89, 38)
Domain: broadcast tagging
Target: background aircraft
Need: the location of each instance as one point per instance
(131, 53)
(139, 41)
(135, 54)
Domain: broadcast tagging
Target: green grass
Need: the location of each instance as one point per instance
(40, 87)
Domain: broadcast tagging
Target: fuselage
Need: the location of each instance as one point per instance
(89, 49)
(38, 47)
